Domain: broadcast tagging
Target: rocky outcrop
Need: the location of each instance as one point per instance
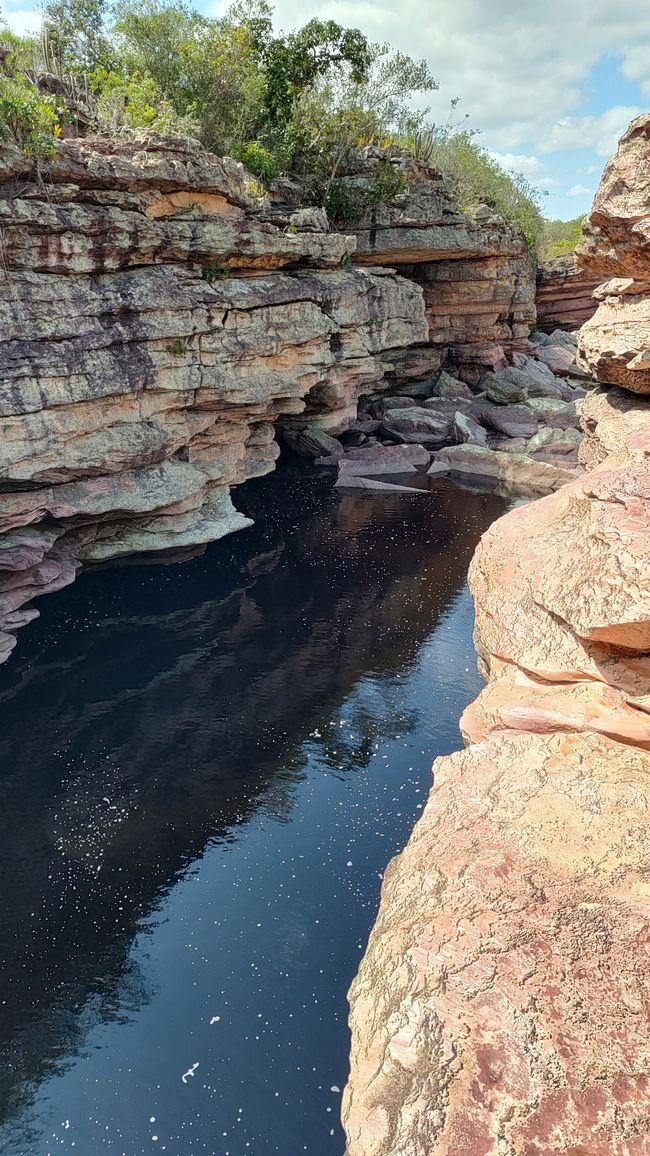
(565, 294)
(159, 322)
(615, 343)
(502, 1004)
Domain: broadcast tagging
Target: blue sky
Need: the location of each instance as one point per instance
(551, 86)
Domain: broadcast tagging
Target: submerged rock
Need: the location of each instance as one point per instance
(514, 471)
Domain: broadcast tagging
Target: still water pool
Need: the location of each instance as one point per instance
(204, 770)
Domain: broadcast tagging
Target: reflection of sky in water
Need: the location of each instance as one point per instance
(205, 855)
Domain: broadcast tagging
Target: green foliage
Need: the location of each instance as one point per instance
(348, 203)
(31, 119)
(259, 161)
(209, 71)
(176, 347)
(295, 62)
(477, 179)
(74, 37)
(560, 238)
(214, 272)
(135, 101)
(346, 261)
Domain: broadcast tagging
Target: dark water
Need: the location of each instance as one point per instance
(204, 770)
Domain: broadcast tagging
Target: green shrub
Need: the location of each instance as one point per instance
(259, 161)
(176, 347)
(214, 272)
(32, 120)
(348, 204)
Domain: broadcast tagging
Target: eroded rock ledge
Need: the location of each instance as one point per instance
(157, 322)
(502, 1005)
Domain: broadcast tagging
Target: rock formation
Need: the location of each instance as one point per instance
(502, 1005)
(615, 343)
(565, 295)
(158, 322)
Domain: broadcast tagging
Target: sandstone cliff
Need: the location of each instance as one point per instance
(502, 1005)
(564, 297)
(158, 321)
(615, 343)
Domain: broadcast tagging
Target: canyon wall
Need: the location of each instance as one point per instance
(158, 321)
(565, 294)
(502, 1005)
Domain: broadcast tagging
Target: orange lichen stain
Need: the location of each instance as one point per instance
(205, 204)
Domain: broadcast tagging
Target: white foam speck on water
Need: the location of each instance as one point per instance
(189, 1072)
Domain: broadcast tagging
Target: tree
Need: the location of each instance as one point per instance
(74, 36)
(209, 70)
(295, 62)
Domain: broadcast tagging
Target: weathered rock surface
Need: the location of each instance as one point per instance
(159, 323)
(502, 1004)
(564, 297)
(516, 471)
(615, 245)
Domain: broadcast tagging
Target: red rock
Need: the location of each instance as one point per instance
(564, 296)
(502, 1003)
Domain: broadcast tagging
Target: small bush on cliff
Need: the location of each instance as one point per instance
(28, 117)
(349, 204)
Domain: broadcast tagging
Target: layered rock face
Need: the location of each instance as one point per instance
(157, 323)
(565, 295)
(502, 1005)
(615, 343)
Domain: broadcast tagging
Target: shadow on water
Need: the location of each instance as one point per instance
(173, 740)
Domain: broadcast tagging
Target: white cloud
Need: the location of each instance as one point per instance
(517, 162)
(519, 71)
(578, 191)
(599, 133)
(24, 21)
(636, 67)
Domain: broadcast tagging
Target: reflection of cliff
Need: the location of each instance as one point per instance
(164, 721)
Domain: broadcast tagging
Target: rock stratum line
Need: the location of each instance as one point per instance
(158, 322)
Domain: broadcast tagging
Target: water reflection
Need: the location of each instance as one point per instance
(188, 755)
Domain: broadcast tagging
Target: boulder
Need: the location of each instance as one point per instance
(383, 460)
(548, 437)
(512, 385)
(352, 482)
(517, 473)
(614, 343)
(611, 419)
(560, 360)
(451, 388)
(554, 412)
(312, 443)
(416, 424)
(515, 421)
(615, 233)
(501, 1002)
(467, 430)
(561, 611)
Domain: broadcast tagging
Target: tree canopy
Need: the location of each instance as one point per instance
(294, 102)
